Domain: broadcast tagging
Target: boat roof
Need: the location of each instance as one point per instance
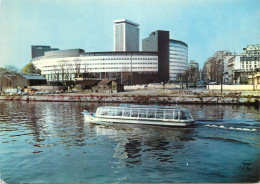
(155, 107)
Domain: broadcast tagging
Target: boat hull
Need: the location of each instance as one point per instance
(101, 120)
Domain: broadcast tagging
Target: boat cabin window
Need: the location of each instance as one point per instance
(151, 113)
(134, 113)
(159, 114)
(189, 114)
(168, 114)
(142, 113)
(111, 112)
(126, 113)
(176, 114)
(183, 115)
(104, 112)
(119, 112)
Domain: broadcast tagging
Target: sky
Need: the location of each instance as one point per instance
(206, 26)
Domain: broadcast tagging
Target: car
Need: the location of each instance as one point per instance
(212, 83)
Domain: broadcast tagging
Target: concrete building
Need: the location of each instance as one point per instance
(126, 35)
(172, 55)
(39, 50)
(126, 67)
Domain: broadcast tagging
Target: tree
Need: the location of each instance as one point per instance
(30, 68)
(2, 70)
(9, 68)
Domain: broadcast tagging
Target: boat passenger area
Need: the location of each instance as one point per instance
(145, 112)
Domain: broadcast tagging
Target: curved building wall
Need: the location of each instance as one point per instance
(178, 59)
(109, 65)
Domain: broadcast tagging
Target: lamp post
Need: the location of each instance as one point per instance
(131, 69)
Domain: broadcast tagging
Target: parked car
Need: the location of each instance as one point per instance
(213, 83)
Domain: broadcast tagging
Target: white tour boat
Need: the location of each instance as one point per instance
(141, 114)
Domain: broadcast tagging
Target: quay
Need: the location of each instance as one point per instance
(147, 96)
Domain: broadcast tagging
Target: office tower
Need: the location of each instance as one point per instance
(126, 35)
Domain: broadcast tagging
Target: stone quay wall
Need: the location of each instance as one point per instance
(135, 99)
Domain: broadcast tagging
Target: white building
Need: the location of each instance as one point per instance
(126, 35)
(250, 59)
(63, 65)
(178, 59)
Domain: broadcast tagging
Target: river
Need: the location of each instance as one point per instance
(49, 142)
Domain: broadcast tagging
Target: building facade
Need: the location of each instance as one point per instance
(250, 58)
(241, 66)
(172, 55)
(126, 35)
(126, 67)
(194, 70)
(158, 41)
(38, 50)
(215, 69)
(178, 59)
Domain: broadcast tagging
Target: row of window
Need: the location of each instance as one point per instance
(249, 58)
(185, 56)
(113, 59)
(94, 64)
(105, 68)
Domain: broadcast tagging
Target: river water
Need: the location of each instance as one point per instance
(49, 142)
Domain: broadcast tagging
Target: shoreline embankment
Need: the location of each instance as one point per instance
(119, 98)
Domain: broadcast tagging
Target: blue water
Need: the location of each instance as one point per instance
(45, 142)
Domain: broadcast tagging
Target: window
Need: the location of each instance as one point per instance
(183, 115)
(159, 114)
(168, 114)
(176, 114)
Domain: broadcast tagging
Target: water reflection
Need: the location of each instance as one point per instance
(136, 143)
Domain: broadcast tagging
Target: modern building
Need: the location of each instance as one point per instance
(39, 50)
(125, 67)
(172, 55)
(178, 59)
(126, 35)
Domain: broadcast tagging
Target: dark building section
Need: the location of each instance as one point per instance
(158, 41)
(39, 50)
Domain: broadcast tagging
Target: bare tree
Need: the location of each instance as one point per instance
(77, 67)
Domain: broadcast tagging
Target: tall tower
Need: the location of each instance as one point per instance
(126, 35)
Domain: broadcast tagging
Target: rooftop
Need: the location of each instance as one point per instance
(33, 76)
(125, 21)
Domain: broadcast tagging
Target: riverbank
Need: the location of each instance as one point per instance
(146, 96)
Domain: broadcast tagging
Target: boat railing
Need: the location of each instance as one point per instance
(150, 106)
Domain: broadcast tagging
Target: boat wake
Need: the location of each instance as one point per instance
(231, 128)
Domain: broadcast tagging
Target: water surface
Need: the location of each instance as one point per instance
(49, 142)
